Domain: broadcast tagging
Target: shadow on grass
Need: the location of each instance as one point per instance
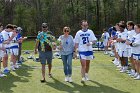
(100, 88)
(7, 83)
(24, 71)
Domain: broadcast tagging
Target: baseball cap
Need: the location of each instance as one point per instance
(19, 29)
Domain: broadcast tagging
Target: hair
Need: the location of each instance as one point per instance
(138, 25)
(10, 26)
(131, 23)
(66, 27)
(122, 26)
(104, 29)
(123, 23)
(15, 26)
(83, 21)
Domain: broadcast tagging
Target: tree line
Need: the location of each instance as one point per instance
(29, 14)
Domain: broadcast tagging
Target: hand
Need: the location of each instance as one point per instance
(20, 41)
(24, 38)
(90, 43)
(60, 47)
(119, 39)
(128, 43)
(6, 42)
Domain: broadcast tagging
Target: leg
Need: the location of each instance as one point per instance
(83, 69)
(49, 56)
(5, 60)
(70, 64)
(43, 71)
(19, 52)
(43, 64)
(64, 59)
(87, 65)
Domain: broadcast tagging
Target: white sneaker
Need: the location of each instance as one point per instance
(115, 61)
(119, 66)
(66, 78)
(126, 68)
(12, 68)
(123, 70)
(105, 52)
(83, 79)
(16, 66)
(137, 78)
(136, 74)
(70, 79)
(2, 75)
(131, 74)
(86, 77)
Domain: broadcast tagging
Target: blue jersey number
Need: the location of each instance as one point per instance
(85, 40)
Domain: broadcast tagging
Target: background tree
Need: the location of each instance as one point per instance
(29, 14)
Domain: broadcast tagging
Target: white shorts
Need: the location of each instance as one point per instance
(105, 43)
(129, 52)
(88, 55)
(136, 56)
(14, 51)
(122, 53)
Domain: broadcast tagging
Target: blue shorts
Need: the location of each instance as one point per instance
(45, 56)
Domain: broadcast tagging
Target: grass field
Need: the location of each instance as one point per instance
(28, 45)
(103, 74)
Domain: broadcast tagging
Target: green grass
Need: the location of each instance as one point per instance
(103, 74)
(28, 45)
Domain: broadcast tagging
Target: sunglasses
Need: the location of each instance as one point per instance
(66, 31)
(44, 26)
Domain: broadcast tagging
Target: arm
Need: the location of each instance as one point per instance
(36, 46)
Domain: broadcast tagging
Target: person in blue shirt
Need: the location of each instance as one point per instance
(66, 51)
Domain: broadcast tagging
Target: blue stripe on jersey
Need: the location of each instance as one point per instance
(13, 47)
(136, 54)
(86, 53)
(1, 39)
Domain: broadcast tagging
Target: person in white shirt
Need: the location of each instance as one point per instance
(84, 39)
(122, 36)
(135, 44)
(14, 48)
(116, 46)
(7, 39)
(2, 49)
(105, 37)
(131, 32)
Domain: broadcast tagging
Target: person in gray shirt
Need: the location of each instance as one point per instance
(66, 47)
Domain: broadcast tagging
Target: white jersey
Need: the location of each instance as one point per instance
(117, 43)
(6, 36)
(130, 36)
(136, 44)
(84, 37)
(105, 36)
(14, 40)
(122, 45)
